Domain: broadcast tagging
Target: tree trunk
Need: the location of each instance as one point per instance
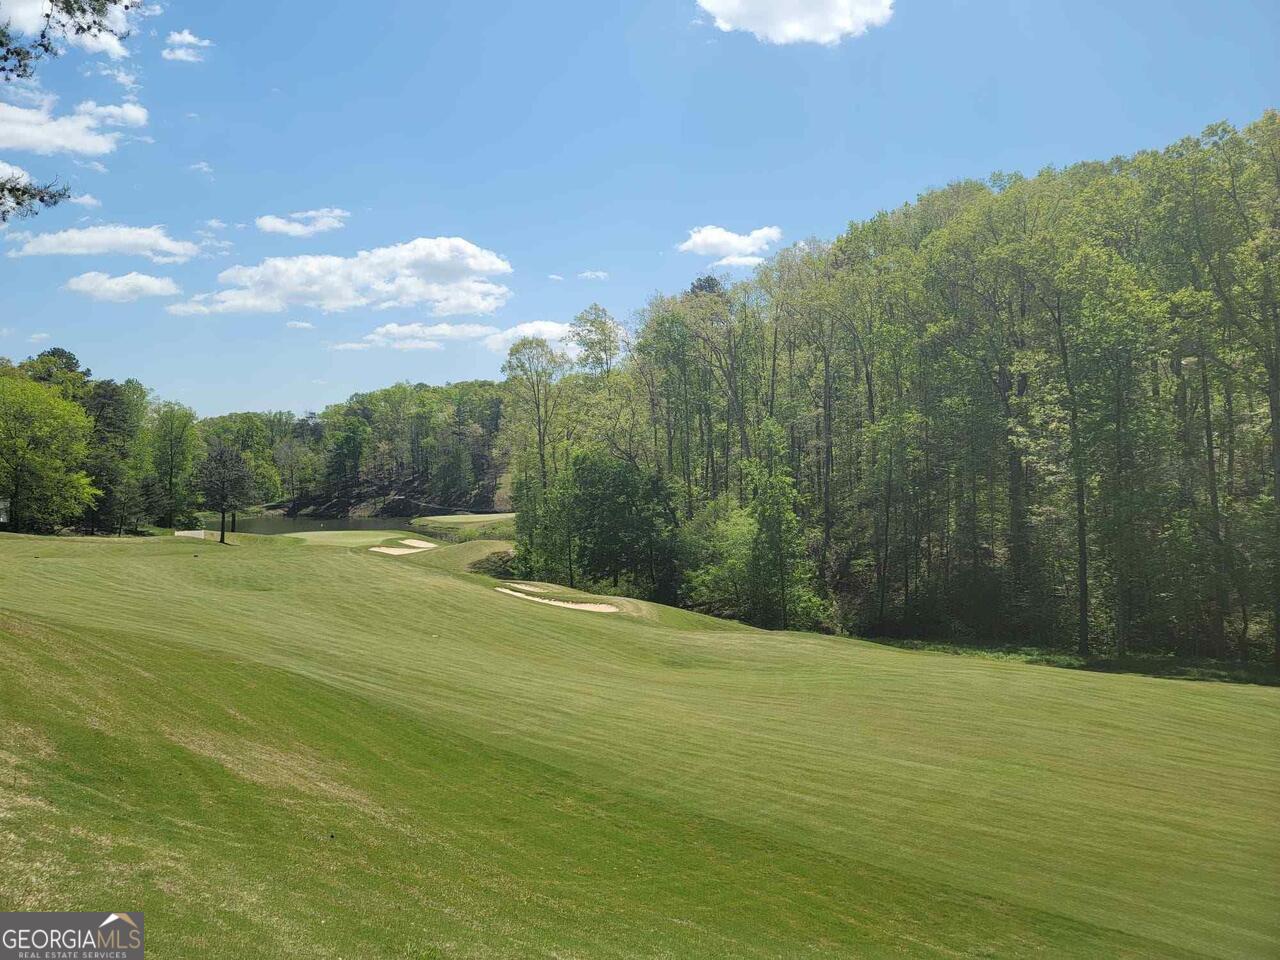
(1217, 622)
(1273, 400)
(222, 528)
(1082, 543)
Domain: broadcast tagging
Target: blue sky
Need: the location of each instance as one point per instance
(551, 139)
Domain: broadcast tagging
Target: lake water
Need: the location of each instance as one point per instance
(269, 525)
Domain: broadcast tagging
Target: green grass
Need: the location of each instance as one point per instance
(350, 538)
(461, 527)
(278, 749)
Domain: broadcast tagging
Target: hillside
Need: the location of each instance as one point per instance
(280, 748)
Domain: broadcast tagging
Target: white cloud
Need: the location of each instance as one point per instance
(300, 325)
(215, 224)
(182, 54)
(202, 166)
(550, 330)
(28, 17)
(37, 130)
(127, 114)
(93, 165)
(450, 274)
(593, 275)
(150, 242)
(304, 223)
(185, 38)
(184, 46)
(126, 78)
(38, 338)
(9, 172)
(86, 200)
(799, 21)
(733, 249)
(124, 289)
(554, 276)
(418, 336)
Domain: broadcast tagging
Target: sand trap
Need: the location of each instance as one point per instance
(594, 607)
(396, 551)
(193, 534)
(530, 587)
(420, 544)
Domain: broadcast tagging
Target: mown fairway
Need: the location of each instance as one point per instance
(285, 749)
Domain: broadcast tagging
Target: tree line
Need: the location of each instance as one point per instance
(1037, 410)
(108, 457)
(1042, 410)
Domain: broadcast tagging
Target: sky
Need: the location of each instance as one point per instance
(278, 204)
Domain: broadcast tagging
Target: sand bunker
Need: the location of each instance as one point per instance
(594, 607)
(414, 546)
(193, 534)
(530, 587)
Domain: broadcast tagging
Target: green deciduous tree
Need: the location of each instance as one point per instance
(43, 443)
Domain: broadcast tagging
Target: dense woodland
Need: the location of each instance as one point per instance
(1037, 410)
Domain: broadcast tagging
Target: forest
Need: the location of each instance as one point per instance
(1033, 409)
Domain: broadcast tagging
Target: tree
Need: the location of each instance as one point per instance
(43, 441)
(598, 337)
(19, 196)
(225, 479)
(116, 458)
(533, 369)
(173, 443)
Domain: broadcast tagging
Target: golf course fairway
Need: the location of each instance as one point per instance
(278, 748)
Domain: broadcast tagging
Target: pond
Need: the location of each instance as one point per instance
(270, 525)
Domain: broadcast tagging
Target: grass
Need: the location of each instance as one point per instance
(461, 527)
(1148, 664)
(349, 538)
(279, 749)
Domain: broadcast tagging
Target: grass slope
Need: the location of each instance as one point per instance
(280, 749)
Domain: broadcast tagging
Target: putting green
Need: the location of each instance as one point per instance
(468, 519)
(279, 751)
(346, 538)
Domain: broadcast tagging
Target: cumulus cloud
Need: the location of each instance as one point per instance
(127, 114)
(552, 330)
(9, 172)
(28, 17)
(732, 249)
(183, 46)
(432, 336)
(799, 21)
(554, 276)
(154, 243)
(450, 274)
(182, 54)
(305, 223)
(128, 79)
(37, 130)
(593, 275)
(300, 325)
(215, 224)
(124, 289)
(86, 200)
(38, 338)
